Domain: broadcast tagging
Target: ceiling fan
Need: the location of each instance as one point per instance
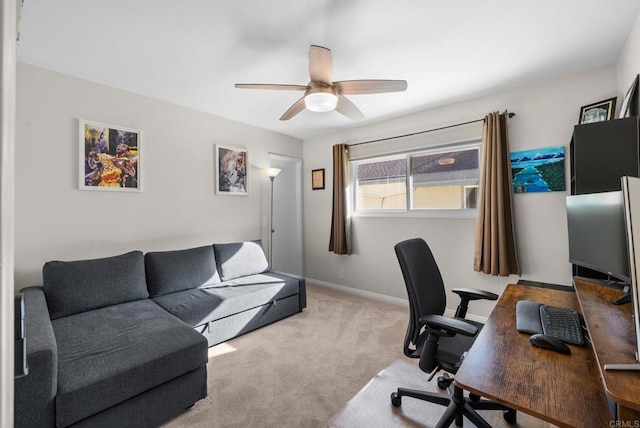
(322, 94)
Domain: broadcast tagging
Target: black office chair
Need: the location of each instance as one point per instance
(440, 342)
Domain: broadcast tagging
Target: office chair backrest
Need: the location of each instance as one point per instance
(425, 288)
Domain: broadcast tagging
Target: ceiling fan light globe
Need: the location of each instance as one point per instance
(321, 101)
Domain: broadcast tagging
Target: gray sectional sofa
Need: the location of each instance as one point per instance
(122, 341)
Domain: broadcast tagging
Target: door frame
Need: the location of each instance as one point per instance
(8, 64)
(297, 163)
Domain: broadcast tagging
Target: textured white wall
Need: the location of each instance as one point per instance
(177, 207)
(546, 113)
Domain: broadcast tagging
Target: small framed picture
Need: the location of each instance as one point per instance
(317, 179)
(231, 170)
(109, 157)
(597, 112)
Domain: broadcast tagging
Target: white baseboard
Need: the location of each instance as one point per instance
(362, 293)
(384, 298)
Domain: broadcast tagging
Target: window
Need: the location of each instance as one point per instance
(381, 184)
(426, 181)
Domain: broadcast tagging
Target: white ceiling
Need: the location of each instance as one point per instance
(191, 52)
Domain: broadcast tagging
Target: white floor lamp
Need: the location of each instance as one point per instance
(271, 173)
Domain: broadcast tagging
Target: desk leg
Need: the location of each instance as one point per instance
(628, 417)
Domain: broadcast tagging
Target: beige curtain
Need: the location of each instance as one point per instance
(495, 249)
(339, 240)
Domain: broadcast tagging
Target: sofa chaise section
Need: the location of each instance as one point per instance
(109, 355)
(121, 359)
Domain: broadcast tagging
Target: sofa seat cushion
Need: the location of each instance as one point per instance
(201, 305)
(109, 355)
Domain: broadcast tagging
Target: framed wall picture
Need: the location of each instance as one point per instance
(538, 170)
(631, 104)
(317, 179)
(231, 170)
(109, 157)
(597, 112)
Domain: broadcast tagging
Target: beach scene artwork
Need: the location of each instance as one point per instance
(538, 170)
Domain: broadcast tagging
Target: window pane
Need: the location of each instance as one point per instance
(471, 196)
(445, 180)
(381, 185)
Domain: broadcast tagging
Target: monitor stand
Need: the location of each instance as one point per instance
(626, 298)
(622, 300)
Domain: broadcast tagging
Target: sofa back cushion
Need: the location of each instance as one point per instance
(171, 271)
(240, 259)
(83, 285)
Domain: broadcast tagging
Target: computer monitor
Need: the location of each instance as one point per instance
(631, 193)
(598, 236)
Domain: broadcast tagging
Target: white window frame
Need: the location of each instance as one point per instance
(409, 211)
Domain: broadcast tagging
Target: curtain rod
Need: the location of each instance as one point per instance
(509, 114)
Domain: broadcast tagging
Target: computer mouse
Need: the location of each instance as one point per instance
(549, 342)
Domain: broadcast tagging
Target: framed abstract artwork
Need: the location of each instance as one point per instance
(109, 157)
(231, 170)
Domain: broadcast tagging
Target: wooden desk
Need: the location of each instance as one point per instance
(612, 333)
(504, 367)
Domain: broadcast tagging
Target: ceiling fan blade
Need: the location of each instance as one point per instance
(320, 64)
(296, 108)
(348, 109)
(352, 87)
(270, 86)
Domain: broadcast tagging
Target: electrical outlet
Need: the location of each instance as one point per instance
(341, 274)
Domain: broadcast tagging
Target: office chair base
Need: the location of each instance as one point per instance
(458, 406)
(396, 397)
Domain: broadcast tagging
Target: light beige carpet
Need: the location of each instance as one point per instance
(371, 407)
(300, 371)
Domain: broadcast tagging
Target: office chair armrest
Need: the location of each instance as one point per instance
(474, 294)
(468, 294)
(441, 325)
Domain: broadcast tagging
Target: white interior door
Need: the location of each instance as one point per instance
(287, 215)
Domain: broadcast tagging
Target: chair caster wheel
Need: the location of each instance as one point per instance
(510, 416)
(444, 382)
(396, 400)
(474, 397)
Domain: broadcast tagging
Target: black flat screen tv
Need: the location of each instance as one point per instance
(598, 235)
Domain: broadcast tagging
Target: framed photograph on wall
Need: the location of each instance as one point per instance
(597, 112)
(109, 157)
(317, 179)
(231, 170)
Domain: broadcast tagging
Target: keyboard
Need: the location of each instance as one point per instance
(562, 323)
